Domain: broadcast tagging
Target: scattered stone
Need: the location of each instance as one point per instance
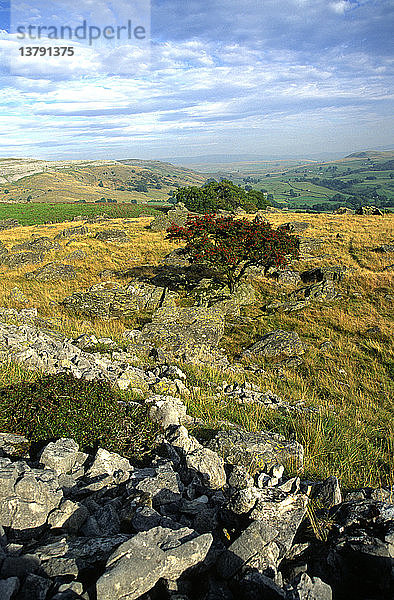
(118, 301)
(295, 226)
(368, 210)
(327, 493)
(135, 567)
(323, 273)
(343, 210)
(9, 588)
(21, 258)
(63, 456)
(177, 215)
(14, 445)
(40, 244)
(309, 588)
(108, 469)
(76, 255)
(112, 235)
(72, 231)
(27, 496)
(208, 465)
(8, 224)
(255, 450)
(167, 410)
(188, 333)
(384, 248)
(277, 343)
(53, 272)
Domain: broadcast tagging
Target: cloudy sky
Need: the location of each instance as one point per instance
(261, 77)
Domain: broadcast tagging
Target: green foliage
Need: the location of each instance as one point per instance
(223, 195)
(56, 406)
(232, 245)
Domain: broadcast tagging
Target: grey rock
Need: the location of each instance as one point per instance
(9, 588)
(70, 516)
(40, 244)
(112, 235)
(72, 231)
(248, 549)
(208, 465)
(35, 588)
(323, 291)
(368, 210)
(162, 484)
(257, 586)
(112, 301)
(14, 445)
(27, 496)
(53, 272)
(76, 255)
(19, 566)
(327, 493)
(187, 333)
(167, 410)
(295, 226)
(108, 468)
(240, 478)
(63, 456)
(21, 258)
(385, 248)
(307, 588)
(135, 567)
(67, 556)
(255, 450)
(8, 224)
(283, 511)
(277, 343)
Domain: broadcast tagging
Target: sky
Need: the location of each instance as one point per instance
(259, 77)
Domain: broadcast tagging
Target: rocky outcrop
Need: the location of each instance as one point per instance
(53, 272)
(8, 224)
(189, 333)
(277, 343)
(72, 231)
(78, 526)
(368, 210)
(112, 235)
(40, 244)
(177, 216)
(109, 299)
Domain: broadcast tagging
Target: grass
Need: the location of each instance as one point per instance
(348, 432)
(40, 213)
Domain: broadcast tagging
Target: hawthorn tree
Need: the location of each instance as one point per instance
(232, 245)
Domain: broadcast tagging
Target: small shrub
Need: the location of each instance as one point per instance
(56, 406)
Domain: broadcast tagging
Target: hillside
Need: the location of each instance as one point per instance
(159, 416)
(23, 180)
(360, 178)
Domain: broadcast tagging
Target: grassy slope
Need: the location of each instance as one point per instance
(76, 183)
(351, 433)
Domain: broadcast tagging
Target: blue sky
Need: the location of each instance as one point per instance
(263, 77)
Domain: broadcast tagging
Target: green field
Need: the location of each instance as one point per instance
(369, 175)
(39, 213)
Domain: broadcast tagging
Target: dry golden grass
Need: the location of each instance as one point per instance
(349, 387)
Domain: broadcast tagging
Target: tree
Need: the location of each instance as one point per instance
(232, 245)
(215, 195)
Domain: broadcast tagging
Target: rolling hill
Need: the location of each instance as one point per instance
(25, 180)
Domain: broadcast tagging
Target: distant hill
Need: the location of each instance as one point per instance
(28, 180)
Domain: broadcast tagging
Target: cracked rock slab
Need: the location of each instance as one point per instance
(136, 566)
